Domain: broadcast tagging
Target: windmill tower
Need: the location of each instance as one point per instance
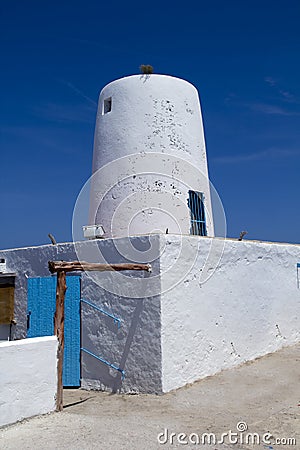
(149, 163)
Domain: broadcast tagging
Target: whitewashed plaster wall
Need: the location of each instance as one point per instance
(31, 262)
(183, 329)
(248, 307)
(155, 124)
(28, 378)
(5, 331)
(135, 346)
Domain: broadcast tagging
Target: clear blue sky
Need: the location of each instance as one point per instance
(242, 56)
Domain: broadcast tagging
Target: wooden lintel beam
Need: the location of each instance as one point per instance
(70, 266)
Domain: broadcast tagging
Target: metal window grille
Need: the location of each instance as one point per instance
(197, 210)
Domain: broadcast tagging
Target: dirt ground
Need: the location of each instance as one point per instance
(264, 395)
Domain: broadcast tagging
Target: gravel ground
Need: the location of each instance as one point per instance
(264, 394)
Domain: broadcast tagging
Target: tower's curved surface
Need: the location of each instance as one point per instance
(149, 144)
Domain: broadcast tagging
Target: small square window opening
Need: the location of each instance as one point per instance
(107, 105)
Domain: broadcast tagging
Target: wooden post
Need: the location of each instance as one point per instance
(59, 317)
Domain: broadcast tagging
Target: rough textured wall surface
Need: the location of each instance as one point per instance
(27, 263)
(208, 304)
(136, 345)
(28, 373)
(153, 115)
(247, 308)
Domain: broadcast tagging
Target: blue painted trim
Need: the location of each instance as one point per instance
(41, 304)
(115, 319)
(105, 362)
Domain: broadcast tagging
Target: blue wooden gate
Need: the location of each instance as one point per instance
(41, 309)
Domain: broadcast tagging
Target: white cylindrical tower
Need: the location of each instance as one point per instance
(149, 162)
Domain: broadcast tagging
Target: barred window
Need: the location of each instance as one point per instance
(197, 210)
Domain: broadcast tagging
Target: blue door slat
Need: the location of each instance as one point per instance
(41, 305)
(71, 371)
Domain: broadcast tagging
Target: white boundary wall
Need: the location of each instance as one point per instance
(249, 307)
(28, 378)
(189, 330)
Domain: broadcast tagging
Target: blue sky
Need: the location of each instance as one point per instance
(243, 57)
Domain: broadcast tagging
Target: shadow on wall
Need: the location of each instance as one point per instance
(130, 336)
(99, 374)
(135, 345)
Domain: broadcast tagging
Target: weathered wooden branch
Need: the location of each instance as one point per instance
(52, 239)
(70, 266)
(59, 316)
(242, 234)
